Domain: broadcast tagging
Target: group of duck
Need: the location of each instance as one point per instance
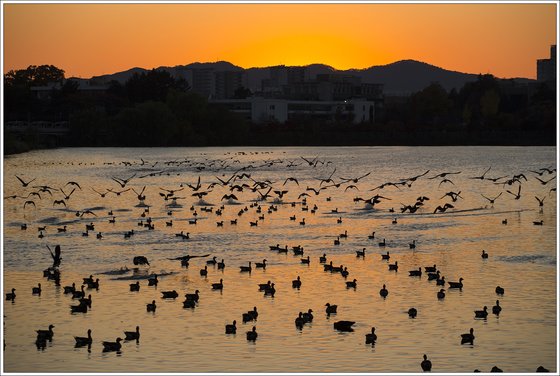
(264, 189)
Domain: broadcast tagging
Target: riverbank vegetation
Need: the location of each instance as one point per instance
(156, 109)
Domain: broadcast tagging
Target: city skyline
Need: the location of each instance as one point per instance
(94, 39)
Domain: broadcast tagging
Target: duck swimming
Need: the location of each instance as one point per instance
(344, 326)
(252, 335)
(330, 308)
(133, 335)
(112, 346)
(426, 364)
(83, 341)
(384, 292)
(371, 337)
(468, 337)
(231, 328)
(456, 285)
(497, 309)
(151, 307)
(481, 314)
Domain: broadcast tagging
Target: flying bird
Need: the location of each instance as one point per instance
(25, 184)
(543, 182)
(444, 174)
(29, 203)
(518, 195)
(99, 193)
(74, 183)
(67, 196)
(118, 193)
(481, 177)
(140, 195)
(355, 180)
(123, 182)
(59, 202)
(291, 179)
(491, 200)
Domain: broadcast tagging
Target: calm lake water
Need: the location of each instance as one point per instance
(522, 259)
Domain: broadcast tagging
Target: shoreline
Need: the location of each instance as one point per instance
(311, 137)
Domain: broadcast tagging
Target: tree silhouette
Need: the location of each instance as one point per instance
(34, 75)
(153, 85)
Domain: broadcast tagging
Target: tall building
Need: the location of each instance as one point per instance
(546, 68)
(203, 82)
(296, 75)
(227, 82)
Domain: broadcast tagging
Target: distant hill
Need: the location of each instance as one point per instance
(408, 76)
(400, 78)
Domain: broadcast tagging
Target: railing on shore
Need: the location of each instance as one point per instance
(40, 127)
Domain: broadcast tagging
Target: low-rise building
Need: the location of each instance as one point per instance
(261, 110)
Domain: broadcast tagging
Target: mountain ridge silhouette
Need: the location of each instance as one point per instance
(401, 77)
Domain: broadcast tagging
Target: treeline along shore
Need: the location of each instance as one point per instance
(157, 110)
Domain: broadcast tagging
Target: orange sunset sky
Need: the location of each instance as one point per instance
(93, 39)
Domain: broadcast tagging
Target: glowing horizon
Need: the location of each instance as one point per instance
(94, 39)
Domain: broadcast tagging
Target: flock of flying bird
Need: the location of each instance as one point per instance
(273, 193)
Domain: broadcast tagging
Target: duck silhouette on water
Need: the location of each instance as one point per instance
(497, 309)
(270, 290)
(231, 328)
(252, 335)
(80, 308)
(112, 346)
(204, 272)
(246, 268)
(135, 286)
(135, 335)
(194, 297)
(468, 337)
(218, 286)
(45, 334)
(79, 294)
(299, 321)
(83, 341)
(344, 326)
(11, 295)
(371, 337)
(384, 292)
(250, 315)
(264, 286)
(415, 273)
(456, 285)
(153, 281)
(86, 301)
(308, 316)
(36, 290)
(169, 294)
(481, 314)
(331, 308)
(351, 284)
(426, 364)
(151, 307)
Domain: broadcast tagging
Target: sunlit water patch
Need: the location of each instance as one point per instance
(522, 259)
